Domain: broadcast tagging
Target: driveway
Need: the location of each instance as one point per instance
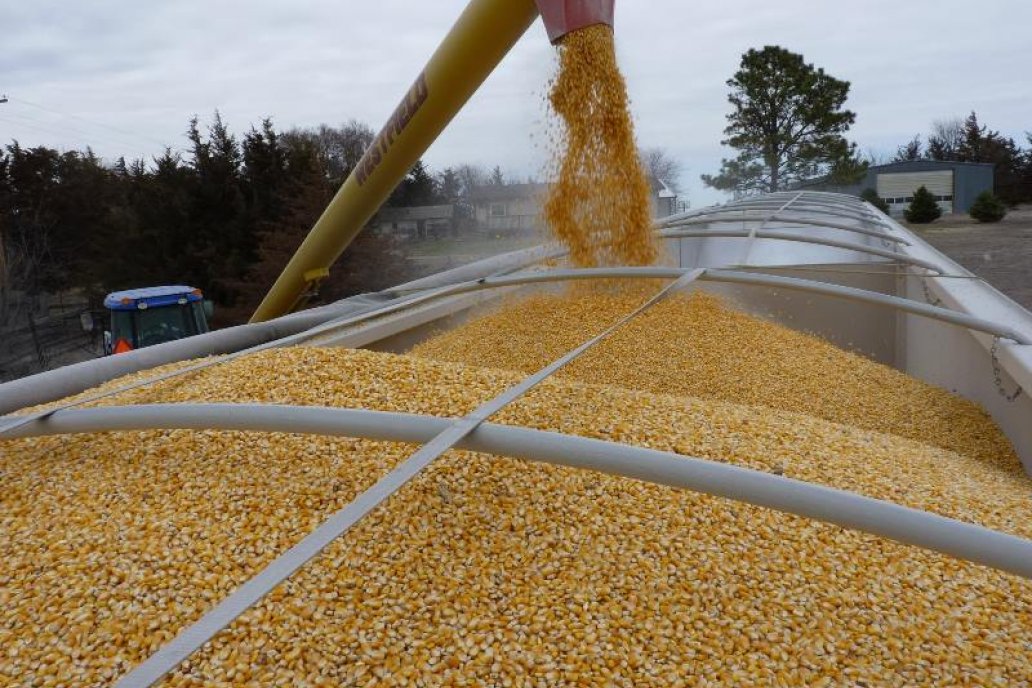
(1000, 253)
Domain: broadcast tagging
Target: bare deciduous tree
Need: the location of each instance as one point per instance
(470, 177)
(21, 263)
(661, 165)
(339, 148)
(946, 138)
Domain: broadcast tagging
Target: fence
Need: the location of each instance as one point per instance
(46, 331)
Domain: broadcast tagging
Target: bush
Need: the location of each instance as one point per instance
(923, 208)
(872, 197)
(988, 208)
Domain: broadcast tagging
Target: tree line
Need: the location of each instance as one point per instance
(224, 216)
(967, 140)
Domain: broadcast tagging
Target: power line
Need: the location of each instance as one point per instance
(64, 129)
(30, 125)
(89, 121)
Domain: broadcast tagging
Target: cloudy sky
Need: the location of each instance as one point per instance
(125, 76)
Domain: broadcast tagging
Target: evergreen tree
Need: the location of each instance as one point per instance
(1025, 171)
(56, 225)
(162, 245)
(496, 177)
(872, 197)
(923, 209)
(910, 151)
(988, 208)
(981, 144)
(449, 185)
(220, 236)
(226, 217)
(29, 236)
(787, 123)
(263, 172)
(417, 188)
(370, 263)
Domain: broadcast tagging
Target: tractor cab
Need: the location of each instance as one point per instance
(154, 315)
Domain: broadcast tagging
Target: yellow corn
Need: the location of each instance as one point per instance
(491, 571)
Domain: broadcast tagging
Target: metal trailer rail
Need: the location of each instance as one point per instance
(850, 207)
(747, 250)
(830, 505)
(781, 235)
(780, 217)
(712, 275)
(802, 207)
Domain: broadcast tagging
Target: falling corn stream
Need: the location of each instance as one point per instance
(598, 205)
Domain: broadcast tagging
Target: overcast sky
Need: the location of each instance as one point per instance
(125, 76)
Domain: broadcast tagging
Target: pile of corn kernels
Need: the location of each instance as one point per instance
(492, 571)
(699, 347)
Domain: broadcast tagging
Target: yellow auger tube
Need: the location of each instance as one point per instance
(483, 34)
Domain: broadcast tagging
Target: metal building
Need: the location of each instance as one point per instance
(955, 185)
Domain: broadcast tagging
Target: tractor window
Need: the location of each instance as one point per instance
(158, 325)
(200, 320)
(122, 327)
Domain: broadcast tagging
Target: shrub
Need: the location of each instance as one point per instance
(923, 208)
(988, 208)
(872, 197)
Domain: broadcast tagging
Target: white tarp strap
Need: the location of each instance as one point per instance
(747, 252)
(192, 638)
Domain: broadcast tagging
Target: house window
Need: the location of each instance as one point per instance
(497, 210)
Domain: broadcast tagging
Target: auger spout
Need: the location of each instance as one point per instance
(566, 16)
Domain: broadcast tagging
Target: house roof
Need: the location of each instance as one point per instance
(926, 164)
(505, 192)
(660, 188)
(417, 212)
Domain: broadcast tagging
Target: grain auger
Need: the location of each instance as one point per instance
(482, 36)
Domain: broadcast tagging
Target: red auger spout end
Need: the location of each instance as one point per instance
(565, 16)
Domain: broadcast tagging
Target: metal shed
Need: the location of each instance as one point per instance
(956, 185)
